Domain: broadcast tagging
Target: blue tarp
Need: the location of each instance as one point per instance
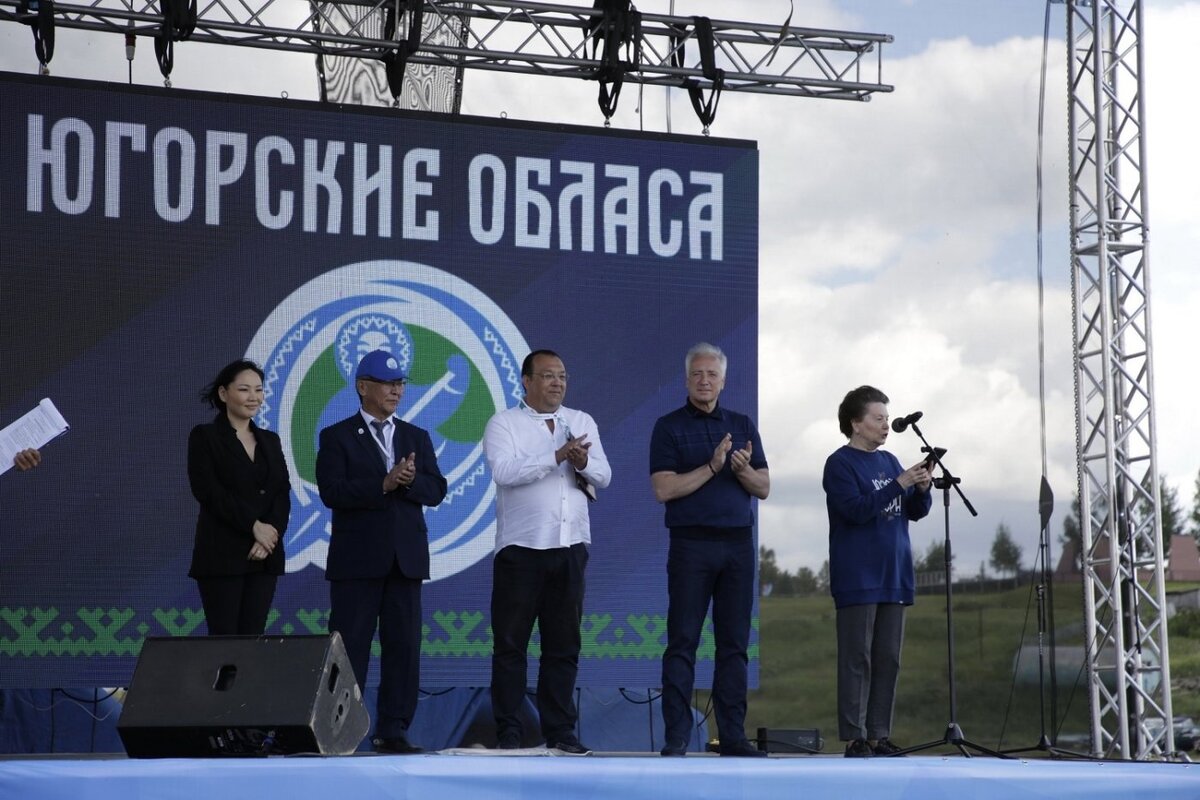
(697, 777)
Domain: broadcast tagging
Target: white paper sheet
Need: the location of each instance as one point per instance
(34, 429)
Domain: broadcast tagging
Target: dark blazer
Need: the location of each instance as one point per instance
(222, 480)
(371, 528)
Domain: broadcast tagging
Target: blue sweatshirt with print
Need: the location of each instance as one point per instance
(870, 555)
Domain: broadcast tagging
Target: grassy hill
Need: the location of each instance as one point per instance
(997, 702)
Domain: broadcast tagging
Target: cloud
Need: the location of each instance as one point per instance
(888, 258)
(1174, 200)
(908, 262)
(898, 247)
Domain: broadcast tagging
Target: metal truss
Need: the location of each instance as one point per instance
(610, 43)
(366, 81)
(1124, 600)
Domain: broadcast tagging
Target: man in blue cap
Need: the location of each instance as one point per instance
(377, 473)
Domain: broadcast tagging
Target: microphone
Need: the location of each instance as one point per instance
(900, 425)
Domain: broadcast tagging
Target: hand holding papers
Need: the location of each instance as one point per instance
(27, 459)
(31, 431)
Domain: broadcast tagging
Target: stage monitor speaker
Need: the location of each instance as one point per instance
(790, 740)
(242, 696)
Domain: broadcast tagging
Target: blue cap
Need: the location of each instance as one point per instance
(380, 365)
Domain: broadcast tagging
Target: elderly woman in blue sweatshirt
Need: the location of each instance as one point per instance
(870, 500)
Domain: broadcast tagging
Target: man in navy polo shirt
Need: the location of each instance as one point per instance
(706, 463)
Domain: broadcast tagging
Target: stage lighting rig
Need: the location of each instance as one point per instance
(610, 42)
(39, 16)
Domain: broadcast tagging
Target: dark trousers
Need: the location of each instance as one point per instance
(393, 603)
(237, 604)
(699, 571)
(545, 586)
(869, 640)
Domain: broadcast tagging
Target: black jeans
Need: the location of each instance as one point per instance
(698, 572)
(545, 586)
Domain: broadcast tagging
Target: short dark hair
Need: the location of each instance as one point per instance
(854, 406)
(527, 364)
(211, 394)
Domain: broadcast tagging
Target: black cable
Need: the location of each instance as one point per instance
(1041, 143)
(1087, 648)
(1047, 618)
(709, 709)
(1045, 532)
(1012, 687)
(94, 699)
(650, 719)
(53, 724)
(650, 697)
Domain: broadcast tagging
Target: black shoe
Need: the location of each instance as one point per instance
(859, 748)
(395, 745)
(743, 749)
(570, 747)
(509, 741)
(886, 747)
(675, 751)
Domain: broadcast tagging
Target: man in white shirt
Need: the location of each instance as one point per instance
(547, 462)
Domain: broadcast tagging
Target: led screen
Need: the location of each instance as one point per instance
(152, 236)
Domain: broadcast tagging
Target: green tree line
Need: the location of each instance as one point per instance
(1005, 557)
(1175, 521)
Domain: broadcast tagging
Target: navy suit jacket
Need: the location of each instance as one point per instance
(371, 528)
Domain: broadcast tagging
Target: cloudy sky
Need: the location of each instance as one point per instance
(898, 237)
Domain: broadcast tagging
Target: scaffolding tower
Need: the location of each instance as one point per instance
(1129, 678)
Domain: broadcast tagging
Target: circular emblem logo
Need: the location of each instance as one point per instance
(462, 355)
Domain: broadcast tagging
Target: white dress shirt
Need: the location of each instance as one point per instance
(385, 449)
(538, 504)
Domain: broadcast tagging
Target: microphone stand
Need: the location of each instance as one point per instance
(1045, 617)
(953, 736)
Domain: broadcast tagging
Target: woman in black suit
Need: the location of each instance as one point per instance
(239, 477)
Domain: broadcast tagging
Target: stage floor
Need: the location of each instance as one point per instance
(451, 775)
